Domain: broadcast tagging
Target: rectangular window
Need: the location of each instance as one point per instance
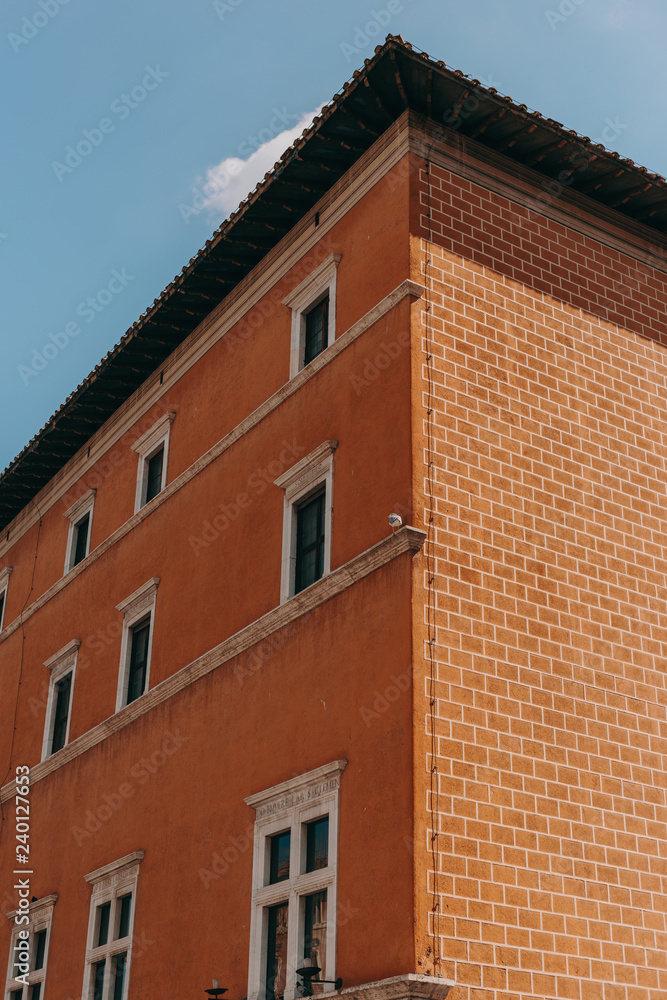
(276, 951)
(294, 883)
(111, 928)
(153, 451)
(315, 931)
(2, 608)
(81, 543)
(61, 716)
(136, 683)
(59, 705)
(317, 327)
(309, 541)
(80, 516)
(136, 644)
(313, 305)
(280, 848)
(33, 952)
(154, 475)
(307, 519)
(317, 844)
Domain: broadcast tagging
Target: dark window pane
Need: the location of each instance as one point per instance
(280, 847)
(2, 607)
(138, 660)
(81, 543)
(61, 714)
(119, 976)
(35, 991)
(317, 844)
(315, 932)
(98, 979)
(124, 922)
(154, 475)
(103, 912)
(38, 948)
(309, 542)
(16, 994)
(317, 323)
(276, 952)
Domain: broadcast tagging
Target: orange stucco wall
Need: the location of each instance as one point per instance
(216, 546)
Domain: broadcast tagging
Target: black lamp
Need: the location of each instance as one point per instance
(308, 973)
(216, 991)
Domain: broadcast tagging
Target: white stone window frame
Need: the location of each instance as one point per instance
(139, 605)
(4, 587)
(40, 917)
(306, 296)
(108, 884)
(146, 446)
(75, 514)
(290, 806)
(60, 664)
(299, 482)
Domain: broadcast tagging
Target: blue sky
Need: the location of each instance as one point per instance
(170, 94)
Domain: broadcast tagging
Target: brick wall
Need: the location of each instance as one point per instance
(550, 545)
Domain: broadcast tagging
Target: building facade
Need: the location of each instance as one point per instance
(250, 725)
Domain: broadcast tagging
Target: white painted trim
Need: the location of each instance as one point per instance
(155, 438)
(303, 478)
(406, 539)
(81, 505)
(116, 867)
(45, 901)
(60, 664)
(405, 289)
(108, 883)
(305, 297)
(291, 805)
(136, 600)
(84, 505)
(63, 655)
(154, 434)
(137, 606)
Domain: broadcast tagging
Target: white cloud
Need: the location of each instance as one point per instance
(230, 182)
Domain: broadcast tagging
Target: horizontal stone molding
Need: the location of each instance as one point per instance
(406, 539)
(406, 288)
(408, 987)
